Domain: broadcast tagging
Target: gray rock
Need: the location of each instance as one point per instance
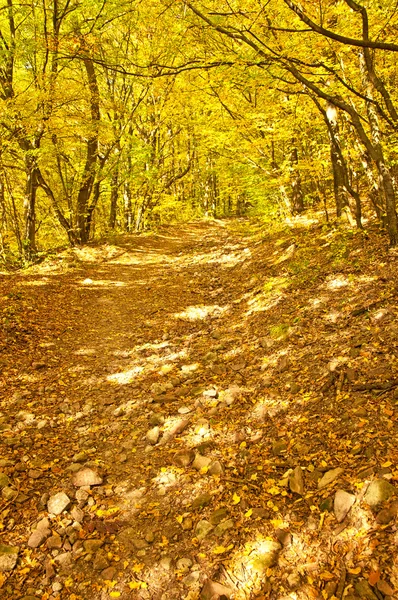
(187, 524)
(184, 459)
(55, 541)
(294, 581)
(179, 427)
(343, 502)
(153, 435)
(201, 462)
(379, 491)
(192, 579)
(9, 493)
(156, 419)
(218, 515)
(8, 557)
(82, 497)
(216, 468)
(58, 503)
(184, 564)
(266, 557)
(201, 500)
(329, 477)
(77, 514)
(212, 590)
(223, 527)
(65, 561)
(86, 477)
(37, 537)
(388, 514)
(202, 529)
(100, 562)
(166, 563)
(296, 481)
(91, 546)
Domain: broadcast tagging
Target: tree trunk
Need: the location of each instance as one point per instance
(32, 185)
(114, 199)
(297, 192)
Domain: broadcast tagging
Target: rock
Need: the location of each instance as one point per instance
(296, 481)
(65, 560)
(212, 590)
(387, 514)
(4, 480)
(100, 561)
(202, 529)
(8, 557)
(364, 590)
(279, 447)
(329, 477)
(379, 491)
(284, 537)
(150, 537)
(156, 419)
(330, 589)
(201, 501)
(166, 563)
(216, 468)
(184, 564)
(54, 541)
(153, 435)
(177, 428)
(86, 477)
(260, 513)
(184, 459)
(266, 557)
(91, 546)
(77, 514)
(192, 579)
(80, 457)
(294, 581)
(218, 515)
(187, 524)
(139, 544)
(38, 536)
(56, 586)
(108, 574)
(343, 502)
(223, 527)
(82, 497)
(58, 503)
(201, 462)
(326, 505)
(9, 493)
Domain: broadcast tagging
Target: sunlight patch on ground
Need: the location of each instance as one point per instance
(86, 352)
(126, 376)
(199, 313)
(103, 283)
(189, 368)
(167, 477)
(337, 283)
(35, 283)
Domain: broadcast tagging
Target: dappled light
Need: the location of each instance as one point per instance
(248, 442)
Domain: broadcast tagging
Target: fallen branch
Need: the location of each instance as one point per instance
(386, 385)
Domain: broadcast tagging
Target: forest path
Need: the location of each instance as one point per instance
(171, 405)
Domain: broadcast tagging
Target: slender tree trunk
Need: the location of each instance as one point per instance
(32, 185)
(297, 192)
(128, 207)
(114, 199)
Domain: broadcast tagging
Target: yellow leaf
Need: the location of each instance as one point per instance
(137, 567)
(235, 498)
(387, 464)
(254, 477)
(243, 445)
(277, 523)
(221, 549)
(204, 470)
(249, 513)
(114, 594)
(274, 490)
(179, 518)
(326, 576)
(355, 571)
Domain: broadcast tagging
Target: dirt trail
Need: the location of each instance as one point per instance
(187, 379)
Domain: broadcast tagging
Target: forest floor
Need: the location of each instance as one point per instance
(206, 412)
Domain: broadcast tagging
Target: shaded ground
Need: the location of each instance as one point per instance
(208, 378)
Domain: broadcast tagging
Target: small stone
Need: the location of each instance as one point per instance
(184, 564)
(202, 529)
(150, 537)
(201, 462)
(8, 557)
(184, 459)
(9, 493)
(4, 480)
(153, 435)
(343, 502)
(139, 544)
(212, 590)
(82, 497)
(223, 527)
(108, 574)
(326, 505)
(386, 515)
(86, 477)
(279, 447)
(65, 560)
(267, 557)
(379, 491)
(296, 481)
(91, 546)
(192, 579)
(216, 468)
(201, 501)
(156, 419)
(187, 524)
(330, 589)
(58, 503)
(294, 581)
(184, 410)
(260, 513)
(165, 563)
(37, 537)
(284, 537)
(385, 588)
(54, 541)
(56, 586)
(79, 457)
(329, 477)
(77, 514)
(100, 561)
(218, 515)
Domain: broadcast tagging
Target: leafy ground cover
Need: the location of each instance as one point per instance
(208, 412)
